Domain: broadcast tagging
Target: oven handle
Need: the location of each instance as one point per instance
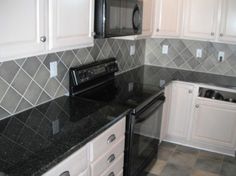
(148, 109)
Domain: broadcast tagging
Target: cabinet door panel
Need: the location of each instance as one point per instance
(180, 112)
(22, 24)
(148, 11)
(168, 17)
(228, 23)
(215, 124)
(70, 23)
(201, 18)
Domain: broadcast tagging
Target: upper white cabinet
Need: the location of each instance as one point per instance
(200, 18)
(22, 25)
(168, 18)
(180, 111)
(228, 22)
(70, 23)
(148, 10)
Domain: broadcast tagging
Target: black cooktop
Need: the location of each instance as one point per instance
(116, 91)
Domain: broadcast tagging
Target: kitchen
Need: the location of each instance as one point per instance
(80, 80)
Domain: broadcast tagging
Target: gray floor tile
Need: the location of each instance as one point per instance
(183, 159)
(176, 170)
(209, 165)
(168, 146)
(164, 154)
(210, 155)
(228, 167)
(189, 150)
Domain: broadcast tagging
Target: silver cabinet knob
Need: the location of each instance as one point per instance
(66, 173)
(111, 138)
(212, 34)
(112, 174)
(221, 34)
(93, 33)
(190, 91)
(158, 30)
(111, 158)
(197, 106)
(43, 39)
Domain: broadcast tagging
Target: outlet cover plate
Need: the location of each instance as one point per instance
(199, 53)
(132, 50)
(53, 69)
(165, 49)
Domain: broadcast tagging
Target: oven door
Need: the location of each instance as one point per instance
(143, 137)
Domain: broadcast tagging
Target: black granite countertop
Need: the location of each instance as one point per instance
(36, 140)
(155, 76)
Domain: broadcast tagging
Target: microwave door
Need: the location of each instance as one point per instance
(131, 13)
(113, 18)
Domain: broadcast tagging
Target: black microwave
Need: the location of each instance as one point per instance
(114, 18)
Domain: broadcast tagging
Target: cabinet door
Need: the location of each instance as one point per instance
(168, 18)
(200, 18)
(148, 10)
(214, 123)
(228, 24)
(22, 25)
(180, 110)
(71, 23)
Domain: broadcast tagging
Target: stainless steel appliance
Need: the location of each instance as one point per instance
(118, 18)
(97, 81)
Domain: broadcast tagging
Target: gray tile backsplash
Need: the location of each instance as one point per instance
(182, 55)
(25, 83)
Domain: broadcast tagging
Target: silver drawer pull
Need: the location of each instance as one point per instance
(111, 138)
(66, 173)
(111, 158)
(112, 174)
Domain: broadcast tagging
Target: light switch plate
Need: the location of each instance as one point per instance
(199, 53)
(221, 56)
(165, 49)
(53, 69)
(132, 50)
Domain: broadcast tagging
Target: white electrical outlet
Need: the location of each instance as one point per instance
(165, 49)
(132, 50)
(221, 56)
(53, 69)
(199, 53)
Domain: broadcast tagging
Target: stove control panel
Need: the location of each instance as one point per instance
(84, 74)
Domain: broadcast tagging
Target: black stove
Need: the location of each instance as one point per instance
(97, 81)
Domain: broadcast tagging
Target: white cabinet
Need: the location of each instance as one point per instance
(22, 25)
(200, 18)
(70, 23)
(180, 111)
(168, 18)
(228, 22)
(76, 165)
(214, 124)
(148, 10)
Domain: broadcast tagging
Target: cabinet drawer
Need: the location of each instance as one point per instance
(107, 139)
(115, 168)
(105, 161)
(75, 164)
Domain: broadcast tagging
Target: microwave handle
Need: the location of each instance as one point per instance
(136, 10)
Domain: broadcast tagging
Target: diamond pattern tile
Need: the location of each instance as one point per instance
(187, 50)
(28, 78)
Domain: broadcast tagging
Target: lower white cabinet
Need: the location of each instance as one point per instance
(180, 110)
(214, 124)
(75, 165)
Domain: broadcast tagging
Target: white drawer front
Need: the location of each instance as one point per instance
(105, 161)
(75, 164)
(115, 168)
(107, 139)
